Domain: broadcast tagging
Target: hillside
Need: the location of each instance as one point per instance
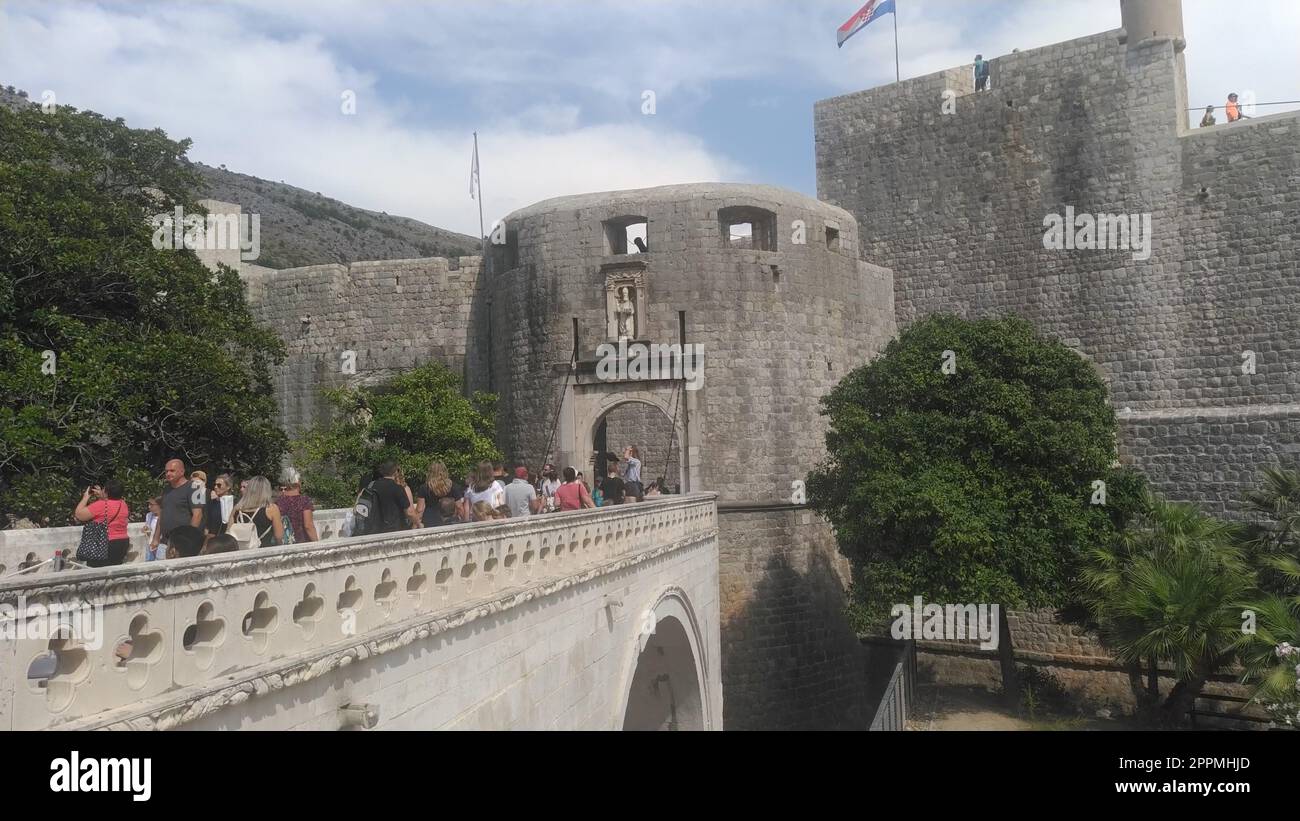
(300, 227)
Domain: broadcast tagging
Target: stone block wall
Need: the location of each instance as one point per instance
(394, 314)
(1239, 200)
(1210, 456)
(789, 659)
(954, 203)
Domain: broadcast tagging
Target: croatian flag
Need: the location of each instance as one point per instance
(869, 12)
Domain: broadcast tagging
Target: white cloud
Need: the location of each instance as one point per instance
(554, 87)
(269, 105)
(1252, 46)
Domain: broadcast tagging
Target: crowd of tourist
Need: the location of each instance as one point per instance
(386, 502)
(191, 518)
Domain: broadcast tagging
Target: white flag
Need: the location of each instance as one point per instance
(473, 170)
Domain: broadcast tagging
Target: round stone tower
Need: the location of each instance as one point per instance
(1147, 19)
(745, 304)
(763, 287)
(1144, 21)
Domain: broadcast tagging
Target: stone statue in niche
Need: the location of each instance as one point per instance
(625, 312)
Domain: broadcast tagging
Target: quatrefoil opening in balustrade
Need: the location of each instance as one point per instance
(350, 598)
(442, 577)
(139, 652)
(309, 610)
(512, 559)
(260, 622)
(417, 585)
(468, 570)
(63, 667)
(204, 636)
(386, 593)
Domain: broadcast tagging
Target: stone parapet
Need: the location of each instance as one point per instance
(182, 640)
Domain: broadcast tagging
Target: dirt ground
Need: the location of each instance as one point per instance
(970, 708)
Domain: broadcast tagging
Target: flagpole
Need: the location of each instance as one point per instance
(897, 76)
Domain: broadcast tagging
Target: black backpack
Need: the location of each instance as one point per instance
(371, 515)
(365, 516)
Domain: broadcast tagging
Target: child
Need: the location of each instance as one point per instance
(150, 525)
(221, 543)
(185, 541)
(447, 510)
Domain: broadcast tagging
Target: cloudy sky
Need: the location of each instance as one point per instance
(555, 88)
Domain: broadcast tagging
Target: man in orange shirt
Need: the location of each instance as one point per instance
(1234, 110)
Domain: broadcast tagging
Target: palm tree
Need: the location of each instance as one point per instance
(1169, 592)
(1275, 539)
(1269, 656)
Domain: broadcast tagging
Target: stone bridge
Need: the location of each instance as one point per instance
(599, 619)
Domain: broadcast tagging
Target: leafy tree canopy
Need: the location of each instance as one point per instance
(975, 485)
(416, 418)
(114, 355)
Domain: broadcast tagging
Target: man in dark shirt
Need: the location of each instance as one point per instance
(393, 509)
(183, 503)
(613, 488)
(981, 72)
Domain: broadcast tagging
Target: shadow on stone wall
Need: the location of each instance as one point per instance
(789, 659)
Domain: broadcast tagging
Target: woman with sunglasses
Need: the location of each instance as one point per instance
(220, 502)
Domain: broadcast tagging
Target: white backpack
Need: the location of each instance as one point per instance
(245, 531)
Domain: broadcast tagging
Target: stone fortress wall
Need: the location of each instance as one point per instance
(393, 314)
(954, 204)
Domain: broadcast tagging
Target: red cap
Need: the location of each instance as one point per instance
(521, 473)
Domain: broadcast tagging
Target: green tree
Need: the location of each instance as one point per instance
(416, 418)
(114, 355)
(962, 467)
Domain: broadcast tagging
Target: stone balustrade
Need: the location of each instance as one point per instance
(21, 549)
(163, 643)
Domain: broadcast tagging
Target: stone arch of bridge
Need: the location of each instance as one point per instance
(666, 680)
